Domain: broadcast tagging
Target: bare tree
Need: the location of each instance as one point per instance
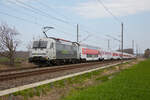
(8, 42)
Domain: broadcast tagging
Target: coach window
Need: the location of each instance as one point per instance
(95, 56)
(88, 55)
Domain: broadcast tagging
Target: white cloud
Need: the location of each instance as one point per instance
(93, 9)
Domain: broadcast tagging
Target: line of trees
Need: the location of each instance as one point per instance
(8, 42)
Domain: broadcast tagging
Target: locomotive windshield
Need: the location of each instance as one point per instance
(39, 44)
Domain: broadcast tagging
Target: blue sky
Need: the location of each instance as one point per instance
(94, 22)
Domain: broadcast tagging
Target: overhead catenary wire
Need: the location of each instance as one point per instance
(45, 13)
(14, 9)
(20, 18)
(107, 9)
(24, 7)
(113, 37)
(36, 12)
(32, 22)
(73, 24)
(117, 19)
(46, 5)
(58, 13)
(26, 20)
(113, 15)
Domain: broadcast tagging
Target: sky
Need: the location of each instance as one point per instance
(96, 23)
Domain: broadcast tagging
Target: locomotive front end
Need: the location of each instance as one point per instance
(39, 53)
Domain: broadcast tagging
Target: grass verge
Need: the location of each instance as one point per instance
(5, 61)
(130, 84)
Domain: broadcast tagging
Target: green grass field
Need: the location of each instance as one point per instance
(130, 84)
(5, 61)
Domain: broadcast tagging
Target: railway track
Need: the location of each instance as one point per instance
(11, 76)
(17, 69)
(29, 68)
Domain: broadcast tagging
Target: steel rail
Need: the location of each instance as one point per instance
(11, 76)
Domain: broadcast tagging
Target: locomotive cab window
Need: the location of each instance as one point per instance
(35, 44)
(40, 44)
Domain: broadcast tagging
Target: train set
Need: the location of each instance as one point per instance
(55, 51)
